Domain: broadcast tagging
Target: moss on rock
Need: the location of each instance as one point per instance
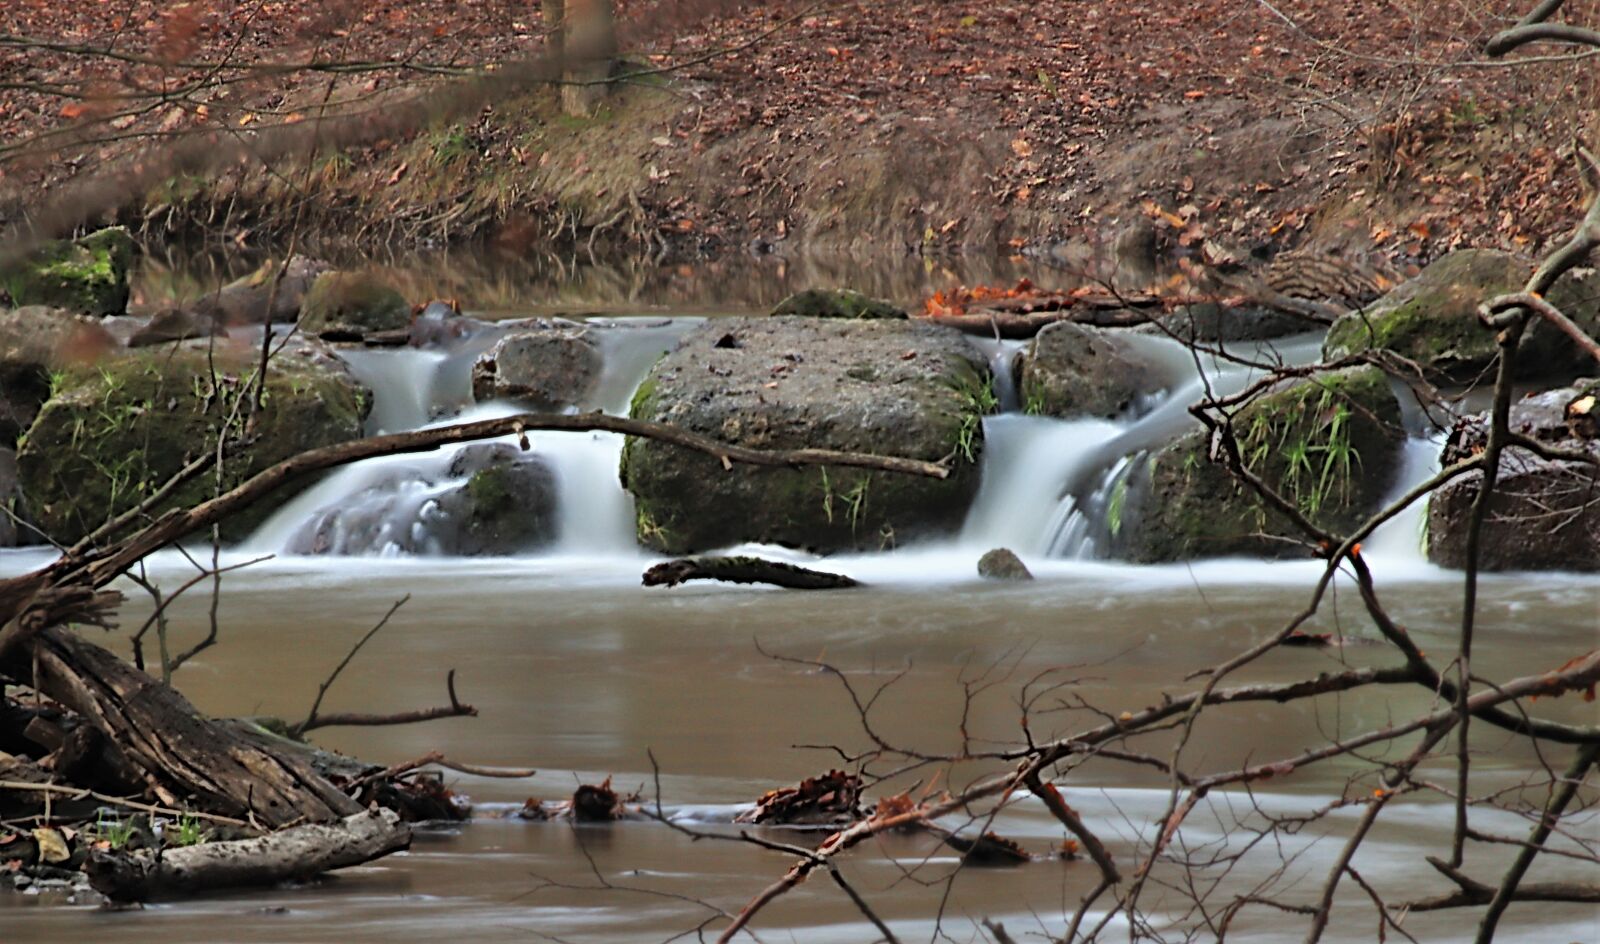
(1331, 444)
(88, 275)
(115, 431)
(1432, 319)
(786, 383)
(837, 303)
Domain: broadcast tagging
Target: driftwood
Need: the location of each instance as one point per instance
(1020, 326)
(743, 570)
(294, 854)
(181, 755)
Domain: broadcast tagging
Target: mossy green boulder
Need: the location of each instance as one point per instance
(1432, 320)
(894, 388)
(84, 276)
(113, 432)
(1332, 444)
(347, 306)
(34, 342)
(837, 303)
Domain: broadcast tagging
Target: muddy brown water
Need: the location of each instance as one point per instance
(581, 673)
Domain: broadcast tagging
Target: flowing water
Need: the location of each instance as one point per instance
(577, 670)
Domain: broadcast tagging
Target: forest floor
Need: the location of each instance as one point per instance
(864, 125)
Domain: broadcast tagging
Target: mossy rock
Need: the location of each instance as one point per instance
(1072, 370)
(35, 341)
(87, 275)
(893, 388)
(351, 305)
(115, 431)
(1433, 320)
(1331, 443)
(837, 303)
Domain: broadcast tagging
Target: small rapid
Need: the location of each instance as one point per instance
(1050, 488)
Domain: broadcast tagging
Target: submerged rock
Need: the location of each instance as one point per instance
(1544, 513)
(549, 368)
(112, 433)
(1331, 444)
(843, 303)
(1433, 320)
(347, 306)
(894, 388)
(1002, 563)
(1075, 370)
(87, 276)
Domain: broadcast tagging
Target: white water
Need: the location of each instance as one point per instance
(1044, 491)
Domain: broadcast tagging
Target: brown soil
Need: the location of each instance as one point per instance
(882, 125)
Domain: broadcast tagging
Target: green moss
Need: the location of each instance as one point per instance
(87, 275)
(1330, 444)
(112, 434)
(976, 399)
(1119, 498)
(842, 303)
(490, 493)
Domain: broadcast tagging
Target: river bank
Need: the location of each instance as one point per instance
(891, 127)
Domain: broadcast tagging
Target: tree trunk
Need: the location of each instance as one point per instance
(553, 17)
(589, 46)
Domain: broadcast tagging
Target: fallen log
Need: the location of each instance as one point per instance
(1016, 327)
(294, 854)
(744, 570)
(182, 756)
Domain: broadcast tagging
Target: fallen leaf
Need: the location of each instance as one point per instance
(52, 847)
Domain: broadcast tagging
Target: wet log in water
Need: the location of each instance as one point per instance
(294, 854)
(744, 570)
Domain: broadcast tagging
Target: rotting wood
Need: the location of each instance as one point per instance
(744, 570)
(294, 854)
(181, 755)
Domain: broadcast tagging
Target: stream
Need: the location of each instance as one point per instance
(579, 671)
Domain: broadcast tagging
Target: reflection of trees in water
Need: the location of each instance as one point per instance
(485, 280)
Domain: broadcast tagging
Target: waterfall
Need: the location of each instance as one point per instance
(1049, 487)
(393, 506)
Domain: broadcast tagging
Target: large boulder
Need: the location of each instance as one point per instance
(347, 306)
(845, 303)
(544, 367)
(492, 499)
(1071, 370)
(1332, 444)
(1432, 319)
(1544, 513)
(36, 342)
(114, 432)
(87, 275)
(896, 388)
